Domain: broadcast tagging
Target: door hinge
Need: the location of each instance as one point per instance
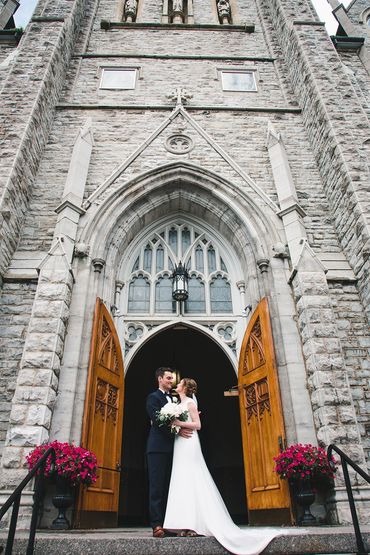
(282, 443)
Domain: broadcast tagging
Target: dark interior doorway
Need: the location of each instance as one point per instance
(194, 355)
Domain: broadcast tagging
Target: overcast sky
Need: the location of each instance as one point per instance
(26, 8)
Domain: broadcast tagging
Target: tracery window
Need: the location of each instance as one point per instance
(150, 284)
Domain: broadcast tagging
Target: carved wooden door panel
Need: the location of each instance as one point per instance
(261, 415)
(102, 427)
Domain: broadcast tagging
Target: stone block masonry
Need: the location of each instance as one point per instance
(27, 99)
(337, 128)
(15, 309)
(37, 380)
(354, 335)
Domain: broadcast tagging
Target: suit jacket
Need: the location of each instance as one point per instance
(160, 439)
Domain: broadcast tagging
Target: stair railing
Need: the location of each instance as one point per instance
(345, 460)
(15, 500)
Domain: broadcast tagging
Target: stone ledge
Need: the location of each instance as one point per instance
(175, 56)
(106, 25)
(138, 542)
(46, 19)
(170, 107)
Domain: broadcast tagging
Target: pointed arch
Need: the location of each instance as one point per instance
(168, 185)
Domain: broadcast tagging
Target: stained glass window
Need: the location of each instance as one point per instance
(220, 294)
(163, 295)
(196, 302)
(150, 284)
(139, 294)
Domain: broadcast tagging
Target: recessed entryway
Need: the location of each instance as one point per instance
(193, 354)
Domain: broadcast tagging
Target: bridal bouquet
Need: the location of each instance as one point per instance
(170, 412)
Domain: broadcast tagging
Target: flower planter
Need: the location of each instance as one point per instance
(304, 496)
(62, 500)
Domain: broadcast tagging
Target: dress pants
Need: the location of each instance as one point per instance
(159, 472)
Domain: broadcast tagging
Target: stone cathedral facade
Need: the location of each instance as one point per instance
(232, 136)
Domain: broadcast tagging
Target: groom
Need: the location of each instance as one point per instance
(159, 451)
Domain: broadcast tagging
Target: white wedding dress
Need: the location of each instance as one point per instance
(194, 502)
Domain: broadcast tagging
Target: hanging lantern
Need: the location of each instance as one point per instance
(180, 283)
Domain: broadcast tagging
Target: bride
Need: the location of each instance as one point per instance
(194, 502)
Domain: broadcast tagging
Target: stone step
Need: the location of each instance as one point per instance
(138, 541)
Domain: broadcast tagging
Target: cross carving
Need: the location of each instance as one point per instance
(180, 95)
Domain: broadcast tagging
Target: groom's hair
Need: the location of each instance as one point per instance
(160, 372)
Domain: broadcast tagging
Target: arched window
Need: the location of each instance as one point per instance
(150, 283)
(163, 295)
(196, 303)
(220, 294)
(139, 294)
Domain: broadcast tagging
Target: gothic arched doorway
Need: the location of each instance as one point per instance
(194, 355)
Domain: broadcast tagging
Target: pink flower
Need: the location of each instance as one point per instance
(75, 463)
(303, 461)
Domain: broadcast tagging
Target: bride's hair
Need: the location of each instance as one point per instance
(190, 386)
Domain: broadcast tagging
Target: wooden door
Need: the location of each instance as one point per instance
(102, 427)
(261, 421)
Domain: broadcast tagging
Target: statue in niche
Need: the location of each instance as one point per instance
(224, 11)
(130, 10)
(178, 11)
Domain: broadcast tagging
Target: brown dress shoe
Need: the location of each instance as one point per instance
(158, 532)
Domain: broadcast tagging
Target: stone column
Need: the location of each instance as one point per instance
(38, 378)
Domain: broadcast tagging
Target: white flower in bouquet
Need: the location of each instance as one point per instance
(170, 412)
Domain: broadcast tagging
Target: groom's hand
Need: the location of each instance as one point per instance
(186, 433)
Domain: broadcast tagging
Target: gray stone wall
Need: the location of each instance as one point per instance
(242, 136)
(16, 301)
(359, 78)
(337, 127)
(354, 334)
(27, 99)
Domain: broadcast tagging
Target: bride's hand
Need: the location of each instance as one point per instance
(185, 432)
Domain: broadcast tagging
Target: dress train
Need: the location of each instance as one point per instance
(195, 503)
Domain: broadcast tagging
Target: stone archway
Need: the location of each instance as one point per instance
(193, 354)
(251, 228)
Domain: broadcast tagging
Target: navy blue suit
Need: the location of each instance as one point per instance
(159, 453)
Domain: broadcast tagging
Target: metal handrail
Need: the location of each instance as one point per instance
(15, 499)
(345, 461)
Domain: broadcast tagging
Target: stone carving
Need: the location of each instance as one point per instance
(226, 330)
(177, 11)
(130, 10)
(280, 251)
(263, 264)
(179, 144)
(224, 11)
(180, 95)
(81, 250)
(134, 331)
(98, 264)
